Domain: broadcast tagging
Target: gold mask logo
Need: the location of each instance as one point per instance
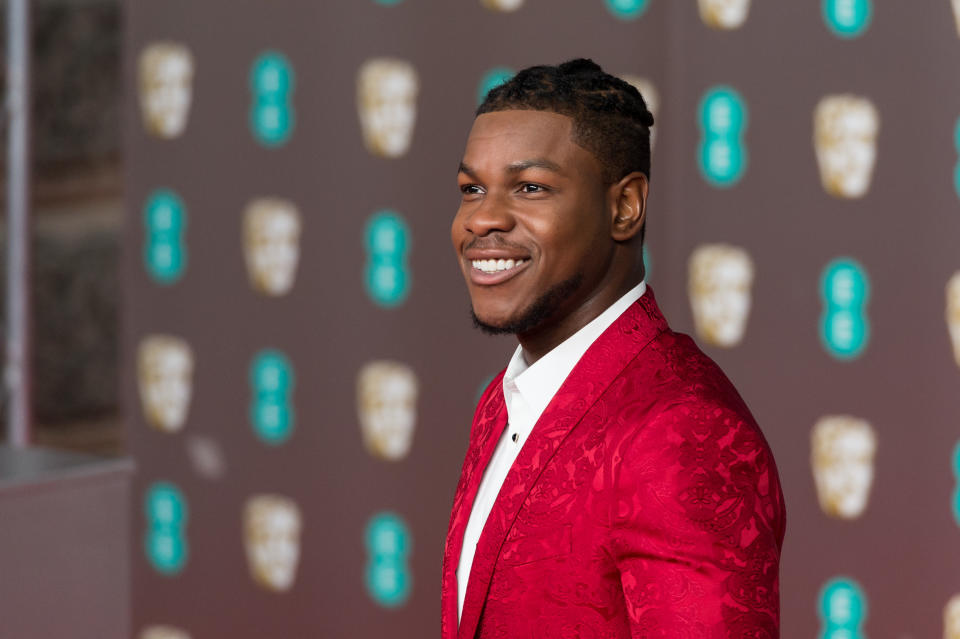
(387, 408)
(163, 632)
(843, 450)
(719, 285)
(165, 376)
(271, 529)
(845, 129)
(724, 14)
(271, 244)
(166, 88)
(650, 96)
(953, 314)
(387, 101)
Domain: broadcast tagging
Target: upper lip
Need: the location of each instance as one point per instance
(493, 254)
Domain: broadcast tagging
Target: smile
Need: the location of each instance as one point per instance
(495, 271)
(494, 266)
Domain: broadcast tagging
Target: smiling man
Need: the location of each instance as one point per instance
(615, 484)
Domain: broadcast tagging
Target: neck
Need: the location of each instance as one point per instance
(552, 333)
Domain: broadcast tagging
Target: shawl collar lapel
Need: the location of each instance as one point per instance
(489, 422)
(595, 371)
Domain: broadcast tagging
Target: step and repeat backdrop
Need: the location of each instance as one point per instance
(300, 366)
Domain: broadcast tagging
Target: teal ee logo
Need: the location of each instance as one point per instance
(166, 540)
(271, 403)
(491, 80)
(956, 169)
(847, 18)
(722, 117)
(271, 110)
(627, 9)
(843, 609)
(388, 576)
(387, 274)
(844, 292)
(164, 252)
(956, 491)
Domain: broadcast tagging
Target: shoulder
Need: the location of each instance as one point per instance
(696, 450)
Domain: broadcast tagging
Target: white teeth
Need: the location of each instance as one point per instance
(492, 266)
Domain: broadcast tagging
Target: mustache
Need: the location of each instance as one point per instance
(488, 242)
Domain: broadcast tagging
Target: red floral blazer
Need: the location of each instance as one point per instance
(645, 503)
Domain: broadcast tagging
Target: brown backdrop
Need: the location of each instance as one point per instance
(903, 551)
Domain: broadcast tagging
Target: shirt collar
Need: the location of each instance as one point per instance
(539, 382)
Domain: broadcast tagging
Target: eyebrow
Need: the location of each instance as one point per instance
(517, 167)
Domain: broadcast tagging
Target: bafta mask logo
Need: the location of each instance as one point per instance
(387, 273)
(627, 9)
(723, 120)
(724, 14)
(847, 18)
(491, 80)
(650, 96)
(387, 406)
(271, 244)
(388, 576)
(951, 618)
(164, 248)
(843, 450)
(271, 528)
(506, 6)
(956, 13)
(387, 102)
(272, 83)
(165, 376)
(721, 277)
(166, 536)
(166, 88)
(843, 609)
(845, 131)
(953, 314)
(844, 292)
(163, 632)
(271, 390)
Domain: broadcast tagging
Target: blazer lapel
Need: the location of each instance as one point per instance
(595, 371)
(489, 422)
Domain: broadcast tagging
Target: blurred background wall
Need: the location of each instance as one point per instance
(77, 211)
(296, 367)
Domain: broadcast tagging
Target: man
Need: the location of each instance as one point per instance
(615, 484)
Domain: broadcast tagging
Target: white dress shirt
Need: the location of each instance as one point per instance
(527, 390)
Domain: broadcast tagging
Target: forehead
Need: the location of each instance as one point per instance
(501, 138)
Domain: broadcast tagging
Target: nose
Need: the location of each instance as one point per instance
(488, 216)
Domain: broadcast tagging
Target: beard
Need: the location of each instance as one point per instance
(542, 309)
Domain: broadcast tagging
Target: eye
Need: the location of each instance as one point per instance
(529, 187)
(471, 189)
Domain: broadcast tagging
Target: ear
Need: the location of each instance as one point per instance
(628, 206)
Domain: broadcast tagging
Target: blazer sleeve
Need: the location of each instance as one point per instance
(697, 524)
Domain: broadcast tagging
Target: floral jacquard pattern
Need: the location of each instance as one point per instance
(645, 503)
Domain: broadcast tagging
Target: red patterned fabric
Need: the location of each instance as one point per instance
(645, 503)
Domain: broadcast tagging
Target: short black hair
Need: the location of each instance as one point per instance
(610, 117)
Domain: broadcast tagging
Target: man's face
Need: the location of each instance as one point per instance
(532, 232)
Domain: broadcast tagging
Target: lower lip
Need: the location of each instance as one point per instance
(481, 278)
